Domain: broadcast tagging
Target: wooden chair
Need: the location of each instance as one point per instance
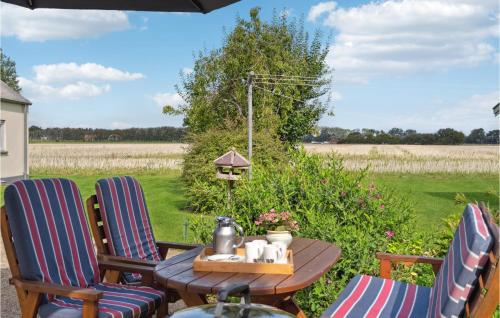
(103, 233)
(390, 297)
(52, 281)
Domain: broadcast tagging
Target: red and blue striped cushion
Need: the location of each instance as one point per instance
(118, 301)
(458, 274)
(50, 232)
(126, 220)
(370, 297)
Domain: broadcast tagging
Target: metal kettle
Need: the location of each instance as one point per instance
(225, 235)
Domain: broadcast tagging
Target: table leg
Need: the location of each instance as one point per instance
(191, 299)
(291, 306)
(284, 302)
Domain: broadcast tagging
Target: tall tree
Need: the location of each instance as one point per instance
(8, 72)
(216, 91)
(493, 137)
(476, 136)
(397, 132)
(449, 136)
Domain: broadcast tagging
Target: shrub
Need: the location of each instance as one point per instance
(204, 190)
(330, 204)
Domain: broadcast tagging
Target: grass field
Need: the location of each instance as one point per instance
(409, 170)
(433, 195)
(164, 197)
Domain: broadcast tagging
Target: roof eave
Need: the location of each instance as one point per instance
(27, 103)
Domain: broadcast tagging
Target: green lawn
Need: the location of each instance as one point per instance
(433, 194)
(164, 196)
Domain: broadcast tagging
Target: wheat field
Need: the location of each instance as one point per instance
(416, 158)
(69, 158)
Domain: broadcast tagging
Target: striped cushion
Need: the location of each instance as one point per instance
(466, 256)
(50, 232)
(368, 296)
(118, 301)
(126, 220)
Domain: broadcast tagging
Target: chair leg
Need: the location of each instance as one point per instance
(162, 311)
(90, 309)
(30, 305)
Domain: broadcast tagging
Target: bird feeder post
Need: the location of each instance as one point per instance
(231, 166)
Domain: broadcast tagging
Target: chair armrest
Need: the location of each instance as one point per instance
(107, 262)
(85, 294)
(387, 259)
(163, 247)
(127, 260)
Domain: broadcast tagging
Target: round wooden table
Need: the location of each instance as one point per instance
(312, 259)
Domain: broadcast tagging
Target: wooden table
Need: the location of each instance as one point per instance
(312, 259)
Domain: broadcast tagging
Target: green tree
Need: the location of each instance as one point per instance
(397, 132)
(449, 136)
(492, 137)
(216, 91)
(8, 72)
(476, 136)
(410, 132)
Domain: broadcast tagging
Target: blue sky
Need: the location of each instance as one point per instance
(420, 64)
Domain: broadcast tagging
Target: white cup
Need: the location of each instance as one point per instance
(272, 253)
(282, 249)
(262, 244)
(252, 252)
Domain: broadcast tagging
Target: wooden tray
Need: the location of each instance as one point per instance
(200, 265)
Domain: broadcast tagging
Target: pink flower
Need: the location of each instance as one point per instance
(294, 225)
(258, 222)
(343, 194)
(382, 206)
(285, 215)
(389, 234)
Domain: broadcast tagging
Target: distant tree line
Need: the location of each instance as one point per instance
(165, 134)
(446, 136)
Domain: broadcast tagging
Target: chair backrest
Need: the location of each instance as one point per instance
(125, 218)
(467, 256)
(46, 234)
(484, 297)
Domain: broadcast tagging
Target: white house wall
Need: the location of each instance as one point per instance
(12, 162)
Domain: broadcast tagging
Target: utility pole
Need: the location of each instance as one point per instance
(250, 120)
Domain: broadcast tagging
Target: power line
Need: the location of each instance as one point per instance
(284, 75)
(285, 83)
(278, 94)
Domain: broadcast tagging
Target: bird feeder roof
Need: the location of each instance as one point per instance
(232, 159)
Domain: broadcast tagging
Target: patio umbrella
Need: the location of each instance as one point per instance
(202, 6)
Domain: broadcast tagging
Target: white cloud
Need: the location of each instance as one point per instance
(72, 81)
(63, 72)
(317, 10)
(465, 115)
(401, 36)
(72, 91)
(187, 70)
(54, 24)
(172, 99)
(336, 96)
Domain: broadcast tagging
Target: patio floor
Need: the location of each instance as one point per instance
(9, 306)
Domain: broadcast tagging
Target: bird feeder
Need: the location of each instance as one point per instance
(231, 166)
